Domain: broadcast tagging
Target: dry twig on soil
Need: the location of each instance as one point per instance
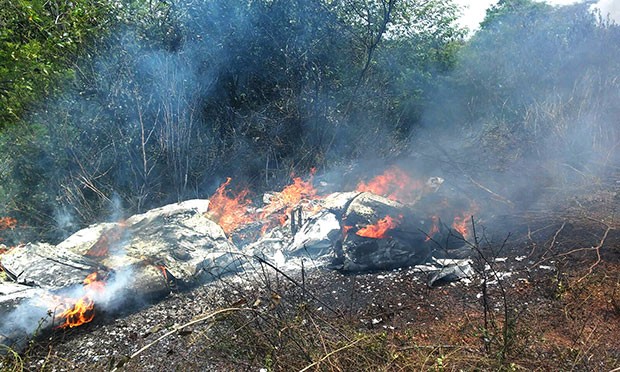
(176, 329)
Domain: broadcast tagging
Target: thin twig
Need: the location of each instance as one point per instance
(550, 248)
(263, 261)
(332, 353)
(598, 254)
(176, 329)
(496, 195)
(555, 236)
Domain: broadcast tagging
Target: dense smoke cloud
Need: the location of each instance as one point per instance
(529, 111)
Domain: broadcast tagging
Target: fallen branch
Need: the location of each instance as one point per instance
(551, 245)
(496, 195)
(176, 329)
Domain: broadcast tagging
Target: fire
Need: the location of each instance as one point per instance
(378, 230)
(229, 212)
(109, 238)
(83, 309)
(7, 223)
(164, 271)
(462, 222)
(393, 184)
(234, 212)
(283, 202)
(434, 229)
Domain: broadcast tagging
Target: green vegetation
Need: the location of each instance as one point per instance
(148, 102)
(40, 42)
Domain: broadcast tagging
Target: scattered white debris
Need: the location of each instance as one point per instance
(545, 267)
(520, 258)
(279, 258)
(376, 321)
(505, 274)
(500, 259)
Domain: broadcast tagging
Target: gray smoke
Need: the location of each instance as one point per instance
(38, 313)
(530, 110)
(609, 8)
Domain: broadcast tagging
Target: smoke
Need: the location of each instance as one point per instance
(65, 221)
(39, 312)
(529, 112)
(609, 8)
(255, 90)
(116, 208)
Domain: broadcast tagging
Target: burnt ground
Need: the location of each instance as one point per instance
(551, 302)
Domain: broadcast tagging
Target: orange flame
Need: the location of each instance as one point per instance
(378, 230)
(283, 202)
(229, 212)
(164, 271)
(108, 238)
(83, 310)
(462, 223)
(434, 229)
(393, 184)
(7, 223)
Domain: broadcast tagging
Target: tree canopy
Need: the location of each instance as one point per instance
(152, 102)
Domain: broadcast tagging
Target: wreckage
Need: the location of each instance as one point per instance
(109, 266)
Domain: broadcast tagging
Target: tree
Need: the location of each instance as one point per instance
(534, 89)
(192, 92)
(40, 41)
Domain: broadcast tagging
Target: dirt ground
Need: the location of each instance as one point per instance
(544, 297)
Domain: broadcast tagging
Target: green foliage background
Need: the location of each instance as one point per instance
(149, 102)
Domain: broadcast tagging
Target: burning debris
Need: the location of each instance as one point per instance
(379, 233)
(230, 212)
(83, 310)
(397, 185)
(107, 266)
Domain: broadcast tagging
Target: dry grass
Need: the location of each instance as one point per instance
(563, 313)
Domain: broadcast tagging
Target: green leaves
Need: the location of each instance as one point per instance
(40, 41)
(154, 100)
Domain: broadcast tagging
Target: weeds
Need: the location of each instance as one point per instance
(296, 322)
